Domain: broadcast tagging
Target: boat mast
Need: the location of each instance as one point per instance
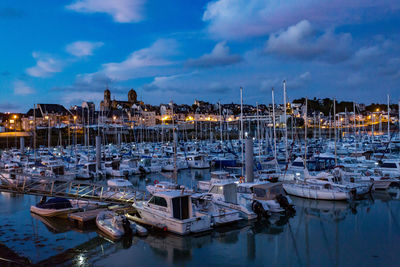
(220, 122)
(354, 123)
(285, 119)
(49, 132)
(258, 134)
(388, 116)
(274, 124)
(373, 121)
(305, 135)
(88, 129)
(175, 136)
(334, 126)
(34, 132)
(241, 125)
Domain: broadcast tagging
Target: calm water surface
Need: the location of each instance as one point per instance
(321, 233)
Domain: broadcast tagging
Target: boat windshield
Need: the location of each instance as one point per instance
(159, 201)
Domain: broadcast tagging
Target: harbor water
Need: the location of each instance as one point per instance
(321, 233)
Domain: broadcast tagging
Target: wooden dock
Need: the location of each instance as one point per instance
(83, 217)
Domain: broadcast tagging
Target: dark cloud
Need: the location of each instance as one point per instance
(219, 56)
(241, 19)
(302, 42)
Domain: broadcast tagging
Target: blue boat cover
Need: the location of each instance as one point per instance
(55, 203)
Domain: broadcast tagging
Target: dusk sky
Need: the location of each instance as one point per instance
(69, 51)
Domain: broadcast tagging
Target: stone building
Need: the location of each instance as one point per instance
(108, 105)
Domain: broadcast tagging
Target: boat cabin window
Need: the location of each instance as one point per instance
(159, 201)
(58, 170)
(115, 165)
(92, 167)
(276, 190)
(243, 189)
(389, 165)
(259, 192)
(298, 164)
(217, 190)
(180, 207)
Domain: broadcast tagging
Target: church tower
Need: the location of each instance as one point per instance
(107, 98)
(132, 96)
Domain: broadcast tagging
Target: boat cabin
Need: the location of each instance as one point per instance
(177, 204)
(227, 190)
(267, 191)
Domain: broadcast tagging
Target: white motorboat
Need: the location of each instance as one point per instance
(113, 225)
(197, 162)
(165, 186)
(219, 215)
(54, 207)
(225, 195)
(271, 196)
(171, 211)
(216, 178)
(390, 168)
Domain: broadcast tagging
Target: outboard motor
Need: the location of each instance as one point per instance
(127, 227)
(259, 209)
(284, 203)
(353, 193)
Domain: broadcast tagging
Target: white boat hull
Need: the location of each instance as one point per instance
(307, 192)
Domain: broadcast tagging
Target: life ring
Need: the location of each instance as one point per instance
(156, 181)
(241, 179)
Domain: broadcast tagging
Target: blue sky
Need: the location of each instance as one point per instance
(69, 51)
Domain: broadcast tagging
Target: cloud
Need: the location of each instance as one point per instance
(122, 11)
(21, 88)
(82, 48)
(87, 83)
(236, 19)
(219, 56)
(45, 66)
(293, 82)
(301, 41)
(187, 84)
(144, 62)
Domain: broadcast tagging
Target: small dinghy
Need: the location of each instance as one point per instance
(113, 225)
(54, 207)
(140, 230)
